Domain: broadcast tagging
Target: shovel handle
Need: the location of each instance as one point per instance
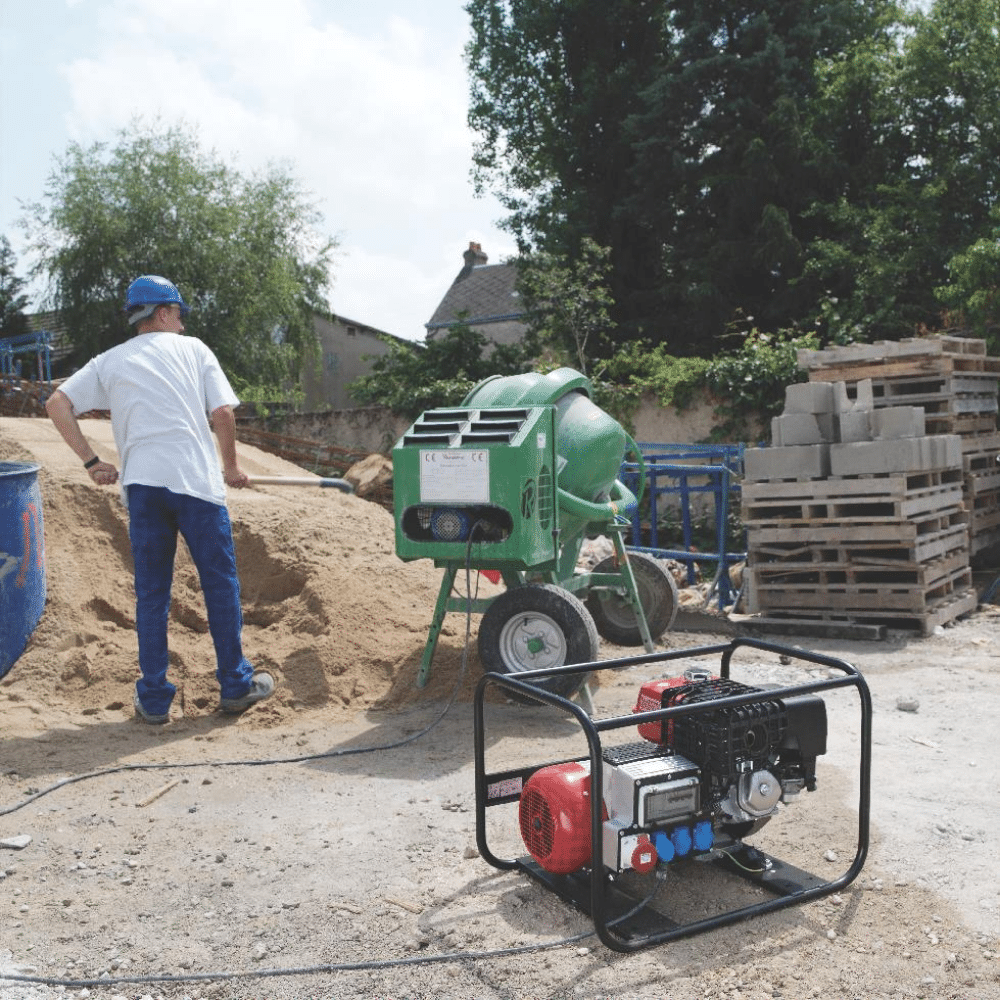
(339, 484)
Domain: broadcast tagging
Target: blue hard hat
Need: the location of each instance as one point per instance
(152, 290)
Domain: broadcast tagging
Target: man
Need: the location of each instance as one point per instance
(159, 387)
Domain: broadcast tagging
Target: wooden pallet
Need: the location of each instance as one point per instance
(903, 348)
(943, 579)
(915, 390)
(982, 453)
(941, 612)
(897, 369)
(978, 484)
(966, 425)
(894, 497)
(832, 548)
(836, 573)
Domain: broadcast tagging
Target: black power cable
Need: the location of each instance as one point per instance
(307, 970)
(315, 969)
(301, 759)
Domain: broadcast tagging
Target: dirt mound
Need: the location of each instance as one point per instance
(328, 607)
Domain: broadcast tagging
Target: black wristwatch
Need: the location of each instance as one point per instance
(91, 463)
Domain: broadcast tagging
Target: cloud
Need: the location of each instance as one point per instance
(372, 122)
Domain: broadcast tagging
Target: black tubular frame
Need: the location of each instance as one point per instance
(589, 891)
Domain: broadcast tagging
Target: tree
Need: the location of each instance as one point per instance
(675, 133)
(727, 167)
(568, 301)
(916, 167)
(414, 377)
(973, 293)
(553, 83)
(13, 321)
(244, 251)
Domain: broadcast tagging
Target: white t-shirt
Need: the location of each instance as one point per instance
(160, 388)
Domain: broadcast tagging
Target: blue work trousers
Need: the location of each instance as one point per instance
(156, 515)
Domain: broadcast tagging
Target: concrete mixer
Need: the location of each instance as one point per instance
(511, 483)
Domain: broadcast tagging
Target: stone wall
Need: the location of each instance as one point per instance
(376, 429)
(372, 429)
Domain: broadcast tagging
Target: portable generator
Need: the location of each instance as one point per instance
(717, 760)
(511, 483)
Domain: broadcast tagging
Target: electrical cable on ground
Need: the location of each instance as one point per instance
(300, 759)
(315, 969)
(307, 970)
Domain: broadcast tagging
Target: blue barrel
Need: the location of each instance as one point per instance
(22, 559)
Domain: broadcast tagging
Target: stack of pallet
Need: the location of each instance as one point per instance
(955, 383)
(855, 515)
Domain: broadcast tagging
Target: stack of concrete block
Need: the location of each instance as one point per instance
(956, 385)
(855, 514)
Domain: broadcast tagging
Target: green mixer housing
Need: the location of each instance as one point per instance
(513, 481)
(488, 474)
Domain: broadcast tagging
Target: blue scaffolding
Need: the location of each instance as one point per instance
(12, 349)
(680, 472)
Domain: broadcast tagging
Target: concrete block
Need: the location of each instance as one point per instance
(809, 397)
(795, 429)
(898, 422)
(923, 454)
(860, 458)
(829, 426)
(801, 462)
(855, 425)
(946, 451)
(864, 398)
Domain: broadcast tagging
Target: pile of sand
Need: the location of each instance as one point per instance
(328, 607)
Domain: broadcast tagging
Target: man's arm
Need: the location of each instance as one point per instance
(60, 410)
(224, 425)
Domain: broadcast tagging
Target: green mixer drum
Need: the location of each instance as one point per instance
(590, 444)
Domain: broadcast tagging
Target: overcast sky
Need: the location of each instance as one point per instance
(364, 102)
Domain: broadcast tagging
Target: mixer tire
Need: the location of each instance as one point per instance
(534, 627)
(614, 616)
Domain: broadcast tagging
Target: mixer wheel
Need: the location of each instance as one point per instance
(535, 627)
(615, 617)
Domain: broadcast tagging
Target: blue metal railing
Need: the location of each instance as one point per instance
(40, 345)
(679, 472)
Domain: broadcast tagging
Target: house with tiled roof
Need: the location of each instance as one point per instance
(485, 297)
(346, 348)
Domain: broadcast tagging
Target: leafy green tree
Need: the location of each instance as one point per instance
(727, 169)
(413, 377)
(568, 301)
(13, 321)
(677, 133)
(914, 161)
(973, 294)
(553, 83)
(244, 250)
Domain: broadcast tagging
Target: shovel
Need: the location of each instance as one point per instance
(338, 484)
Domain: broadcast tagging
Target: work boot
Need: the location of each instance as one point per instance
(261, 687)
(148, 717)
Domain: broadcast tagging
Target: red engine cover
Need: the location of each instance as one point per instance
(555, 817)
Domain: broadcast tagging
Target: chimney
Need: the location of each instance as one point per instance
(474, 256)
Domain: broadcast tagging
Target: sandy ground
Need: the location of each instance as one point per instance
(250, 857)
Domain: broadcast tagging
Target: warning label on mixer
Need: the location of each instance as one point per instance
(455, 476)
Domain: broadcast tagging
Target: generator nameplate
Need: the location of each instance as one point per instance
(455, 476)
